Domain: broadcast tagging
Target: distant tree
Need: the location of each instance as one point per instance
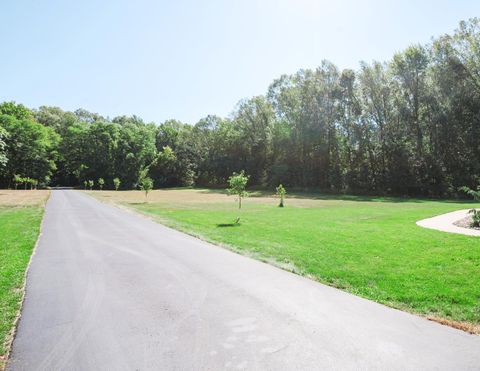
(34, 183)
(85, 184)
(31, 148)
(116, 183)
(101, 183)
(19, 111)
(237, 184)
(17, 180)
(3, 149)
(281, 192)
(146, 185)
(91, 183)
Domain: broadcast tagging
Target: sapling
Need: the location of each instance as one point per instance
(146, 185)
(237, 184)
(101, 183)
(17, 179)
(281, 192)
(116, 183)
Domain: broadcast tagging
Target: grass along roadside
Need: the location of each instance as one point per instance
(20, 217)
(368, 246)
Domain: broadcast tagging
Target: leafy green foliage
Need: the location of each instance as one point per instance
(146, 185)
(281, 192)
(18, 111)
(408, 126)
(91, 183)
(3, 149)
(237, 183)
(116, 183)
(31, 150)
(474, 194)
(101, 183)
(17, 180)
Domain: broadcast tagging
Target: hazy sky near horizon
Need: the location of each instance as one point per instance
(185, 59)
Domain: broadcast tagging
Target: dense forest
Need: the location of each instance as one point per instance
(409, 126)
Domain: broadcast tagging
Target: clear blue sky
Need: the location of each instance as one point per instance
(185, 59)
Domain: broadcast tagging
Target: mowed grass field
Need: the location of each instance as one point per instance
(20, 217)
(368, 246)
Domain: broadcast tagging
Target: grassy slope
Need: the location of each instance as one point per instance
(19, 228)
(370, 247)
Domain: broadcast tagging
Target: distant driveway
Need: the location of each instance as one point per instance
(111, 290)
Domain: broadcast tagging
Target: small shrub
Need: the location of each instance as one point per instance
(116, 183)
(91, 183)
(475, 218)
(146, 185)
(101, 183)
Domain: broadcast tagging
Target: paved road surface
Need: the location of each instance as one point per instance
(110, 290)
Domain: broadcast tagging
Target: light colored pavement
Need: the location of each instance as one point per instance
(445, 222)
(111, 290)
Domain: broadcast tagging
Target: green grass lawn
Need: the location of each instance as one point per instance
(368, 246)
(19, 228)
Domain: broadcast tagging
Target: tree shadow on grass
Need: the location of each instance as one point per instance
(224, 225)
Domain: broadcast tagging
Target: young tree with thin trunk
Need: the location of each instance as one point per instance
(17, 179)
(101, 183)
(146, 184)
(91, 183)
(116, 183)
(237, 184)
(281, 192)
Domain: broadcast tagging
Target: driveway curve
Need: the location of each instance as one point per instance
(445, 223)
(111, 290)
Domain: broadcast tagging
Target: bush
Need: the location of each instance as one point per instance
(475, 218)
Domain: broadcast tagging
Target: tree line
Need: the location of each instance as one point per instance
(407, 126)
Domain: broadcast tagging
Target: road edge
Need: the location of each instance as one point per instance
(13, 331)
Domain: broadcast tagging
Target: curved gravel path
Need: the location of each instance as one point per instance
(445, 222)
